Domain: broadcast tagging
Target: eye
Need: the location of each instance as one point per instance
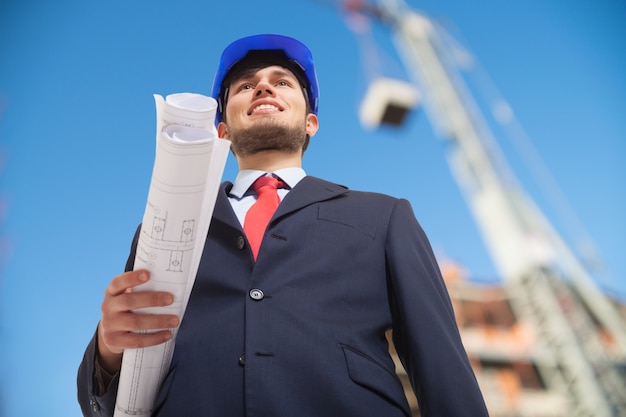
(245, 86)
(283, 83)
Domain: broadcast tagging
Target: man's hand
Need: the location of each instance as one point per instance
(118, 324)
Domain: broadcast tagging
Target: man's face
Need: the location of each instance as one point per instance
(266, 110)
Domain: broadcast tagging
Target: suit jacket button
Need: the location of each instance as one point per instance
(256, 294)
(241, 242)
(242, 359)
(94, 405)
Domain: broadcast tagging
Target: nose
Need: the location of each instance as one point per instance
(264, 88)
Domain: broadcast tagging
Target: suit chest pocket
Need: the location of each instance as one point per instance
(349, 220)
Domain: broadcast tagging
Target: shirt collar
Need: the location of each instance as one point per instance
(245, 178)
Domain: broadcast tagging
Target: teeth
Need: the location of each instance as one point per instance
(265, 107)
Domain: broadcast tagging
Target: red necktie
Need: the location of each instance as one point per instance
(262, 210)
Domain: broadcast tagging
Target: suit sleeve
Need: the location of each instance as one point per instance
(92, 402)
(94, 399)
(425, 333)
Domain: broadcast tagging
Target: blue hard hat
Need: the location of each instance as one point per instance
(295, 53)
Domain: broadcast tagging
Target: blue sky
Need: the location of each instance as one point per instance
(77, 142)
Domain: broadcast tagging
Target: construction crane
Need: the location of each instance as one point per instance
(546, 282)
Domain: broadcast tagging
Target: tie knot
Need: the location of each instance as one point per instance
(266, 182)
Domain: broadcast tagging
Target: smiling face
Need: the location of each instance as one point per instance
(266, 109)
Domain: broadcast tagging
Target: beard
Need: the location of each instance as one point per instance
(268, 134)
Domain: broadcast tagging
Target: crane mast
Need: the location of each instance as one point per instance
(546, 282)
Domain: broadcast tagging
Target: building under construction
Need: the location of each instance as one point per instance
(545, 341)
(511, 355)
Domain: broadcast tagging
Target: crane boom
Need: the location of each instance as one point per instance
(546, 281)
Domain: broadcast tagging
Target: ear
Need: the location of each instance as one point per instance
(222, 130)
(312, 124)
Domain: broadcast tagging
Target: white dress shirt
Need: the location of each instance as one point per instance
(242, 196)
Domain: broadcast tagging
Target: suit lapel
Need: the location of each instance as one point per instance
(308, 191)
(223, 211)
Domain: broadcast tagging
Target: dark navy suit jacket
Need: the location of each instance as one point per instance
(301, 332)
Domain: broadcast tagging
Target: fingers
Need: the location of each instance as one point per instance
(111, 345)
(117, 342)
(122, 283)
(120, 328)
(119, 296)
(127, 301)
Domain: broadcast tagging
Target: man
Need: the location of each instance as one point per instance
(292, 323)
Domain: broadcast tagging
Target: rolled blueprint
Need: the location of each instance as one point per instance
(187, 172)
